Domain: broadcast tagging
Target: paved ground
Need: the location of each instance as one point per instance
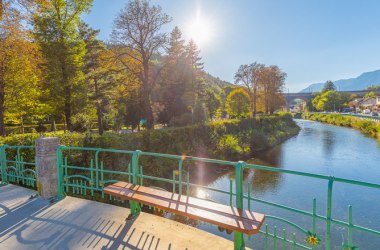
(34, 223)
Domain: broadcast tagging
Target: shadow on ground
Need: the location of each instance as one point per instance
(35, 223)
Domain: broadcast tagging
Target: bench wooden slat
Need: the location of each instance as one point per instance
(211, 212)
(194, 201)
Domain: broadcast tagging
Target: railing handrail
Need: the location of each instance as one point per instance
(233, 163)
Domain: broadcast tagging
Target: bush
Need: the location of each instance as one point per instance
(81, 122)
(365, 126)
(221, 139)
(230, 145)
(40, 128)
(181, 121)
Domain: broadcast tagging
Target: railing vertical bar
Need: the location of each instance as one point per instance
(274, 238)
(97, 169)
(230, 192)
(174, 180)
(249, 196)
(314, 214)
(141, 176)
(187, 184)
(130, 173)
(238, 236)
(284, 239)
(180, 176)
(329, 213)
(350, 240)
(294, 241)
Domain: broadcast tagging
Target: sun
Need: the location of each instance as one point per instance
(200, 30)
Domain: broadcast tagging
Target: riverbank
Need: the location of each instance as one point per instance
(231, 139)
(367, 127)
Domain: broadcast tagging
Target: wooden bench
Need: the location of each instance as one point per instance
(224, 216)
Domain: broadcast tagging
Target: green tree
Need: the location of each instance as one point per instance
(195, 86)
(137, 29)
(329, 85)
(370, 94)
(56, 25)
(329, 101)
(213, 103)
(102, 72)
(173, 79)
(238, 104)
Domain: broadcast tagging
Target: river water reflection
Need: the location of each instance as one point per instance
(321, 149)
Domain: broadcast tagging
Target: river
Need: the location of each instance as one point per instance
(321, 149)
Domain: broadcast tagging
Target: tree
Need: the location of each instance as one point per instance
(137, 28)
(195, 87)
(328, 101)
(19, 73)
(270, 83)
(248, 76)
(213, 103)
(1, 10)
(101, 72)
(238, 103)
(329, 85)
(56, 25)
(370, 94)
(173, 79)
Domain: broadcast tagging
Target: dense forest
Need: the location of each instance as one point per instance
(55, 70)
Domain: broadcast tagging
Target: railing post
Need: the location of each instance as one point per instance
(46, 165)
(329, 213)
(3, 163)
(239, 243)
(60, 193)
(135, 206)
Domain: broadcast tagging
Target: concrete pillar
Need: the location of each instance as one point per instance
(46, 165)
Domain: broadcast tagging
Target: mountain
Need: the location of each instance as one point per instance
(212, 80)
(361, 82)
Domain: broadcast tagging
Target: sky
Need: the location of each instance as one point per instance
(311, 40)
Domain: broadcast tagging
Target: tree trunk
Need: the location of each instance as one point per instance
(52, 125)
(100, 119)
(146, 95)
(254, 100)
(148, 112)
(99, 110)
(67, 109)
(2, 108)
(67, 94)
(22, 125)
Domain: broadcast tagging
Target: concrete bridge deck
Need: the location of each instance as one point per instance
(34, 223)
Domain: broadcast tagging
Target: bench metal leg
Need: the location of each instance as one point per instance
(239, 243)
(135, 208)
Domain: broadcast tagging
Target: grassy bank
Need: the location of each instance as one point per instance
(365, 126)
(222, 139)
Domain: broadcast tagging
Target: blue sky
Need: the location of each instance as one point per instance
(311, 40)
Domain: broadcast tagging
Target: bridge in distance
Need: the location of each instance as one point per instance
(308, 96)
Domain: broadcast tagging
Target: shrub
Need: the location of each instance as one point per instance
(40, 128)
(221, 139)
(182, 120)
(365, 126)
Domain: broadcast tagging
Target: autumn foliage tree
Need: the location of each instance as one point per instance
(138, 29)
(19, 71)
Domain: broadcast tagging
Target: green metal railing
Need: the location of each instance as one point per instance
(15, 168)
(366, 117)
(86, 171)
